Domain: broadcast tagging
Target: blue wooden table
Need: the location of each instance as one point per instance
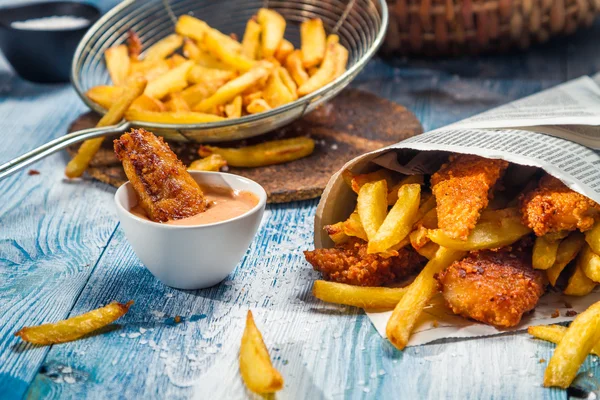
(63, 253)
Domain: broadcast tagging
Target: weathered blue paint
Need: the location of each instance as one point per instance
(62, 253)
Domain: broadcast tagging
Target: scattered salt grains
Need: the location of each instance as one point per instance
(122, 335)
(361, 382)
(373, 375)
(157, 314)
(69, 379)
(67, 370)
(143, 330)
(134, 335)
(381, 372)
(114, 362)
(143, 341)
(366, 390)
(169, 295)
(163, 354)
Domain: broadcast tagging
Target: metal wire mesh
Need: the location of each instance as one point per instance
(361, 25)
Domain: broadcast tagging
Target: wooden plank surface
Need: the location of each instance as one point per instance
(53, 263)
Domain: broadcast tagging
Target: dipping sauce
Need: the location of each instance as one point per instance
(224, 204)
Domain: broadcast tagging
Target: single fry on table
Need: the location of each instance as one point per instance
(256, 368)
(266, 153)
(372, 298)
(74, 327)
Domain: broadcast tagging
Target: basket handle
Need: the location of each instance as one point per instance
(55, 145)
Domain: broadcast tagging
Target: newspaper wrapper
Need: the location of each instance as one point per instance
(516, 137)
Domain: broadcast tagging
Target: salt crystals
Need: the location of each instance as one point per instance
(169, 295)
(134, 335)
(143, 330)
(69, 379)
(157, 314)
(381, 372)
(55, 23)
(67, 370)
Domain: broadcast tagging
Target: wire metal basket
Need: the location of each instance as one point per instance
(360, 24)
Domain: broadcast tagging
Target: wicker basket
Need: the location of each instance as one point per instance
(442, 27)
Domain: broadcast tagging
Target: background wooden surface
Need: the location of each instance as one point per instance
(62, 253)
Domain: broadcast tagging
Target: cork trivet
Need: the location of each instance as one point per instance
(353, 123)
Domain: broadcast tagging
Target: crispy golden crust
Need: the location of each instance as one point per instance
(165, 189)
(494, 287)
(462, 188)
(349, 263)
(553, 207)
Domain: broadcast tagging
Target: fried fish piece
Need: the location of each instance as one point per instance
(462, 188)
(553, 207)
(493, 287)
(165, 189)
(349, 263)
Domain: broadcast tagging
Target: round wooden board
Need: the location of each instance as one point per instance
(353, 123)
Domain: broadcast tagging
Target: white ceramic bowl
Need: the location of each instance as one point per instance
(192, 257)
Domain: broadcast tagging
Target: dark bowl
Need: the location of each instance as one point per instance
(43, 55)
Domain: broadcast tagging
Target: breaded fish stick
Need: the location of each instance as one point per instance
(553, 207)
(165, 189)
(462, 188)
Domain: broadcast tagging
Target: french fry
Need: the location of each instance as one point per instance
(272, 26)
(171, 117)
(592, 237)
(554, 334)
(418, 294)
(353, 227)
(359, 180)
(399, 221)
(372, 206)
(214, 44)
(425, 207)
(228, 91)
(544, 252)
(257, 106)
(341, 60)
(106, 96)
(393, 193)
(289, 83)
(313, 39)
(251, 39)
(175, 60)
(196, 93)
(266, 153)
(74, 327)
(567, 251)
(248, 98)
(327, 70)
(173, 81)
(497, 229)
(284, 50)
(117, 62)
(276, 92)
(428, 250)
(200, 74)
(579, 339)
(234, 109)
(134, 45)
(163, 48)
(191, 27)
(294, 65)
(214, 162)
(579, 284)
(372, 298)
(177, 103)
(88, 149)
(590, 263)
(256, 368)
(336, 233)
(149, 70)
(147, 103)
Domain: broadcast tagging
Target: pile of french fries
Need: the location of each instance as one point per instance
(394, 211)
(218, 77)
